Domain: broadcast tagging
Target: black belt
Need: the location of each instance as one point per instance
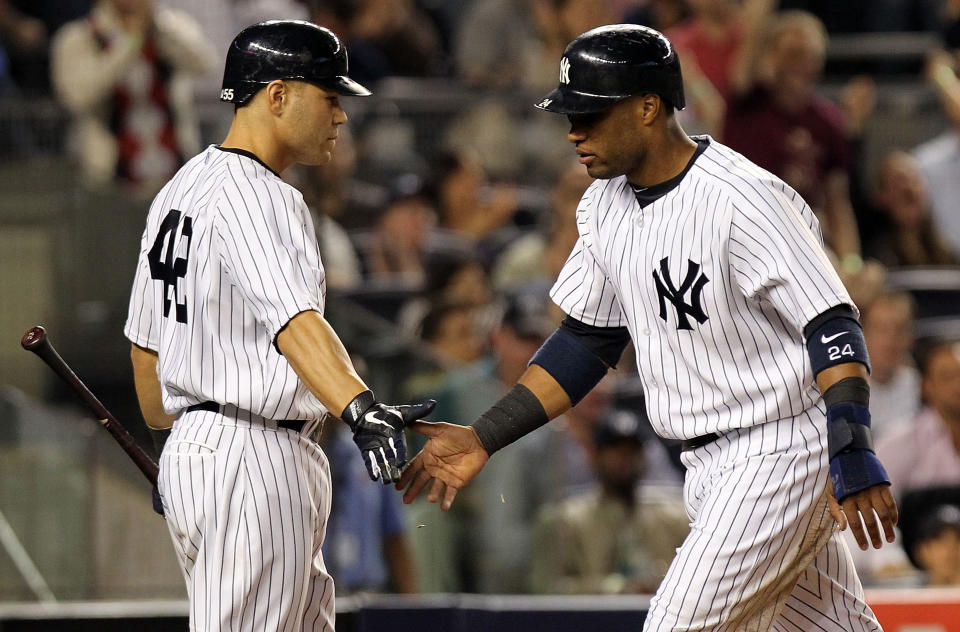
(698, 442)
(213, 407)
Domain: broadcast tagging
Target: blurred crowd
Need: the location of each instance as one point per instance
(455, 248)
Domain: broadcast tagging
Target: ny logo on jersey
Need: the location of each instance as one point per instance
(564, 70)
(165, 266)
(693, 282)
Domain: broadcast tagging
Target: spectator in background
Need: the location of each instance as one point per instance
(532, 262)
(931, 533)
(904, 232)
(24, 40)
(124, 75)
(926, 450)
(709, 43)
(365, 547)
(404, 34)
(390, 37)
(454, 332)
(455, 335)
(618, 538)
(939, 158)
(7, 86)
(221, 20)
(951, 24)
(659, 14)
(396, 250)
(937, 548)
(462, 550)
(469, 207)
(894, 381)
(515, 43)
(777, 120)
(711, 40)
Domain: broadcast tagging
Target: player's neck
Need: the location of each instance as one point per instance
(262, 145)
(665, 158)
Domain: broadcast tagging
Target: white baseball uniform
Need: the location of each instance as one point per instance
(228, 257)
(716, 273)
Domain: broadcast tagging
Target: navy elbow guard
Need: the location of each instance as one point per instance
(574, 366)
(853, 464)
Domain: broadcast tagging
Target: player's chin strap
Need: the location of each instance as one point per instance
(853, 464)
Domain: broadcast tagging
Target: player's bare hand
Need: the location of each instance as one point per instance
(452, 458)
(863, 509)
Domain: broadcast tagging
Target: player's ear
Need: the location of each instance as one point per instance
(649, 106)
(277, 93)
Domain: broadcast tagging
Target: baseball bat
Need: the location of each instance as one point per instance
(37, 341)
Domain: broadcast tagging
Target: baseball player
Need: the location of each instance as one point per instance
(747, 344)
(230, 346)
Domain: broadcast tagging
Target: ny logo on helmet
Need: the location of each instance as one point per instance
(564, 70)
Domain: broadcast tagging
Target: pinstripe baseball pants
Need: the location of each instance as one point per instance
(247, 506)
(763, 552)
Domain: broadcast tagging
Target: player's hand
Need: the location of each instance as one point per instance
(865, 503)
(452, 458)
(378, 432)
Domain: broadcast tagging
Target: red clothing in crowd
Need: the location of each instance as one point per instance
(714, 57)
(800, 147)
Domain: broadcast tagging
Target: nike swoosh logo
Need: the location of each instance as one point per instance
(825, 339)
(371, 418)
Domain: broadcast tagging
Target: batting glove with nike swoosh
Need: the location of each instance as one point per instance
(378, 432)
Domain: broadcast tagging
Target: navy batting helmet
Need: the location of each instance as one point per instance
(611, 63)
(285, 49)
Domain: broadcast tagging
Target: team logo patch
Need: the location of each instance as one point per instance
(693, 282)
(564, 70)
(545, 103)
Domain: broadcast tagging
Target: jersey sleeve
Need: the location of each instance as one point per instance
(776, 255)
(269, 249)
(140, 327)
(582, 289)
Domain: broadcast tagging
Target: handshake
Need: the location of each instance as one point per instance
(378, 432)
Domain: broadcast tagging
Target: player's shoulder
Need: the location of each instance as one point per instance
(603, 197)
(244, 176)
(745, 185)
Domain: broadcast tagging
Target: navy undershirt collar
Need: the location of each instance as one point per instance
(248, 154)
(648, 195)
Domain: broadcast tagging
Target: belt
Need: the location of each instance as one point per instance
(698, 442)
(213, 407)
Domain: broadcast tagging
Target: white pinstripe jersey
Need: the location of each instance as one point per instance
(228, 257)
(715, 280)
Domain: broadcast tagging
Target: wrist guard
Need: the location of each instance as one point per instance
(853, 464)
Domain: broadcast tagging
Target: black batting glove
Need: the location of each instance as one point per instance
(378, 432)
